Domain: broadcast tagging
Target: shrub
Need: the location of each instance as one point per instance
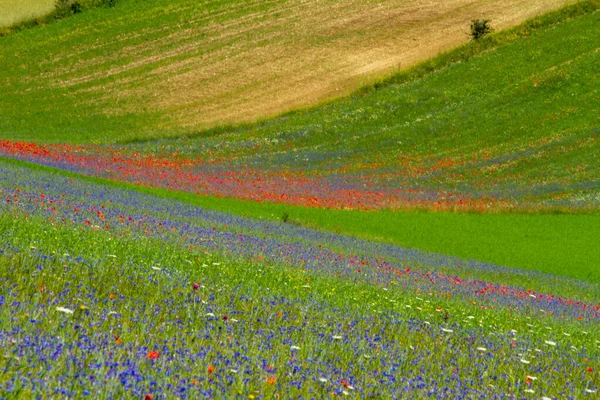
(64, 8)
(76, 8)
(480, 28)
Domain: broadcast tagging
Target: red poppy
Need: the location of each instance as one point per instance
(153, 355)
(148, 397)
(211, 369)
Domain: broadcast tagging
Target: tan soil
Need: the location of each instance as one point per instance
(292, 54)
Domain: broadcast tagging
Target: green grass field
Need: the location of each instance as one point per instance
(521, 122)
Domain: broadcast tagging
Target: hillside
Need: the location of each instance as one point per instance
(515, 127)
(155, 68)
(433, 234)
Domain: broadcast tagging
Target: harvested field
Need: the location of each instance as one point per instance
(189, 65)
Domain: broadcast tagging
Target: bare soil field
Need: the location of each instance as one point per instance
(299, 53)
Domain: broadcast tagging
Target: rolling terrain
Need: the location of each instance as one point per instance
(126, 294)
(555, 243)
(516, 127)
(433, 234)
(153, 69)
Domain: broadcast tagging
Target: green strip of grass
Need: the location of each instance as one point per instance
(561, 244)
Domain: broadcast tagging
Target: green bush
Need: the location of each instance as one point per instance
(480, 28)
(64, 8)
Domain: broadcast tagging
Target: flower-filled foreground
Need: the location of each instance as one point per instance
(110, 293)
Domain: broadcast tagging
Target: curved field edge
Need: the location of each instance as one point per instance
(513, 128)
(460, 54)
(128, 85)
(557, 243)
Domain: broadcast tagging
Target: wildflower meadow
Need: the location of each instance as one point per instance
(433, 235)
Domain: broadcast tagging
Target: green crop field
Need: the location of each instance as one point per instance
(519, 124)
(318, 199)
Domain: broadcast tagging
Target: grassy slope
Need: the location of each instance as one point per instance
(516, 240)
(521, 121)
(154, 68)
(555, 243)
(154, 311)
(516, 125)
